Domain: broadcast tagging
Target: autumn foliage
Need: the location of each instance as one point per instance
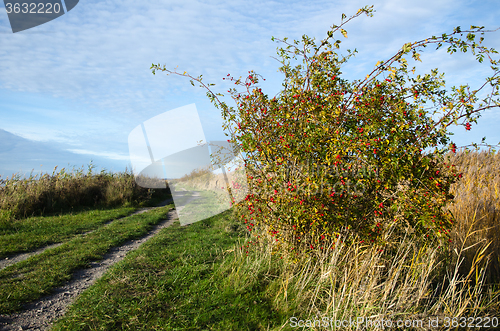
(328, 159)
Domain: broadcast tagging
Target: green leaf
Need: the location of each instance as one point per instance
(406, 47)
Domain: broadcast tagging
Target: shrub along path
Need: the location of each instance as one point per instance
(42, 310)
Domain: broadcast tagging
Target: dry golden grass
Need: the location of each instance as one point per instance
(477, 208)
(63, 190)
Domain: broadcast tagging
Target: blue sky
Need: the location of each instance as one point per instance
(74, 88)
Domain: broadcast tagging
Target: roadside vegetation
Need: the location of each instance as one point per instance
(212, 275)
(87, 213)
(65, 191)
(417, 248)
(171, 283)
(477, 208)
(380, 225)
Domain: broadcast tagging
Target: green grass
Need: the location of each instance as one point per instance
(31, 233)
(175, 282)
(36, 276)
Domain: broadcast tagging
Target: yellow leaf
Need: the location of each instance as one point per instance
(184, 72)
(344, 33)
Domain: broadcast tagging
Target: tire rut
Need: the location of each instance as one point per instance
(23, 256)
(40, 314)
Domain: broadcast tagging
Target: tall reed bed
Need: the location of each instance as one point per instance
(63, 190)
(477, 209)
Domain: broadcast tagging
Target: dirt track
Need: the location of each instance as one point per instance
(40, 315)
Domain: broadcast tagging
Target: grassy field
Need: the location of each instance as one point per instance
(209, 275)
(28, 234)
(30, 279)
(176, 281)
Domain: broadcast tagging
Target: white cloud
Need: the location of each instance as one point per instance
(96, 58)
(109, 155)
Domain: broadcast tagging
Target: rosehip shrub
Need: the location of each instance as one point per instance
(328, 158)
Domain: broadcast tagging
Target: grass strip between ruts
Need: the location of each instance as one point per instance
(172, 282)
(34, 277)
(28, 234)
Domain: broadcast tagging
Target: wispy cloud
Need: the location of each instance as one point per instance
(108, 155)
(84, 82)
